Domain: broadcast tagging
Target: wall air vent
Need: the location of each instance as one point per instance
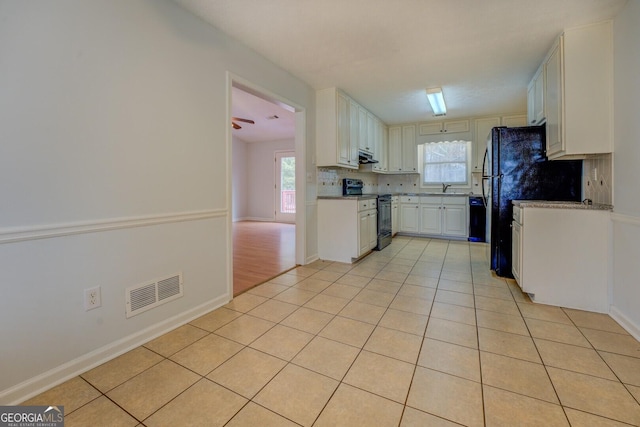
(146, 296)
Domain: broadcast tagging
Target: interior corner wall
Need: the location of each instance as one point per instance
(261, 169)
(626, 162)
(239, 180)
(114, 171)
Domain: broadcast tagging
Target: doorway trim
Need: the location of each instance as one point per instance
(280, 216)
(301, 168)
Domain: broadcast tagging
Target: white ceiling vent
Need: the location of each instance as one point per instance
(146, 296)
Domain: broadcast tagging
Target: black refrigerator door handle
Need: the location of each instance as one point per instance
(484, 196)
(484, 160)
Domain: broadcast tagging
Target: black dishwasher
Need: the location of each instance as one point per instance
(477, 219)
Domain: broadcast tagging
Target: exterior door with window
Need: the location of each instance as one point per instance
(285, 186)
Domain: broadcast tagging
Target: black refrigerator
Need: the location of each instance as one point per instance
(516, 168)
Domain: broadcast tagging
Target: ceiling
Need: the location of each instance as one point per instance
(385, 53)
(272, 121)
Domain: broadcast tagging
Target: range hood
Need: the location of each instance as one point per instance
(365, 158)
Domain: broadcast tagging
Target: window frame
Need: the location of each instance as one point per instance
(467, 162)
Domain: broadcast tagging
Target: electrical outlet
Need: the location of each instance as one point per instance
(92, 298)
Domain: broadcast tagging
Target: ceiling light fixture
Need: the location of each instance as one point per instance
(436, 99)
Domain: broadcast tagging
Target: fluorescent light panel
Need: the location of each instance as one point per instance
(436, 99)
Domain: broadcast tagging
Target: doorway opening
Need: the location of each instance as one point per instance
(265, 199)
(285, 186)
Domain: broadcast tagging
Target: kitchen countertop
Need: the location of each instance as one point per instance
(437, 194)
(561, 205)
(372, 196)
(363, 197)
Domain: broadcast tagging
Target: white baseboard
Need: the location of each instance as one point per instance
(625, 322)
(36, 385)
(258, 219)
(311, 259)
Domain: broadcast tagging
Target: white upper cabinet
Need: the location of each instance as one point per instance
(514, 121)
(342, 128)
(395, 149)
(535, 98)
(334, 144)
(381, 148)
(435, 128)
(579, 93)
(364, 130)
(409, 149)
(402, 149)
(354, 125)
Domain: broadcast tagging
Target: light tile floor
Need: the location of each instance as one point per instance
(419, 334)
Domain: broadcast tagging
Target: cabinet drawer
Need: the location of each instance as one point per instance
(363, 205)
(409, 199)
(430, 200)
(453, 200)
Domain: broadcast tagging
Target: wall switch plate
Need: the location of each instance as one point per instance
(92, 298)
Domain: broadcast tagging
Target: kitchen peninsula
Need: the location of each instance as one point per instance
(561, 253)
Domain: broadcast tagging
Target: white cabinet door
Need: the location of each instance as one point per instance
(516, 239)
(554, 101)
(371, 134)
(381, 148)
(482, 129)
(363, 233)
(536, 99)
(394, 217)
(395, 149)
(363, 125)
(409, 218)
(409, 149)
(454, 220)
(354, 128)
(454, 126)
(344, 149)
(514, 121)
(373, 229)
(431, 219)
(531, 102)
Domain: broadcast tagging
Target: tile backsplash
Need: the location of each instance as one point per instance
(330, 181)
(597, 179)
(399, 183)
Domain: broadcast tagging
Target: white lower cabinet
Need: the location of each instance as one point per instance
(435, 215)
(368, 233)
(454, 216)
(347, 228)
(561, 256)
(516, 255)
(409, 214)
(431, 215)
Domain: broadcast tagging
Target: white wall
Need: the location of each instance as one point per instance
(239, 180)
(626, 218)
(261, 172)
(113, 171)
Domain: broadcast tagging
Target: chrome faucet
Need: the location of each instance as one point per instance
(445, 186)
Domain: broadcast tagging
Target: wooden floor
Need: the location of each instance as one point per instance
(261, 250)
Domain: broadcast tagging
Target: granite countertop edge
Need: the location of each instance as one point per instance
(372, 196)
(561, 205)
(363, 197)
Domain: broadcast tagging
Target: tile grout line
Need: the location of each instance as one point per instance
(544, 365)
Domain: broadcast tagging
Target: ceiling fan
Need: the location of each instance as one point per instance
(238, 119)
